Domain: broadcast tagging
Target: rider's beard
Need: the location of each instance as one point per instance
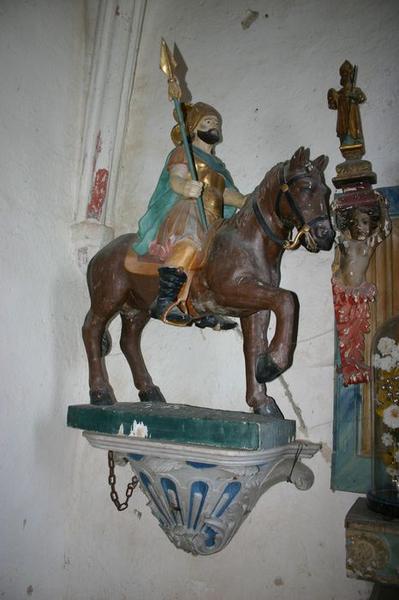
(212, 136)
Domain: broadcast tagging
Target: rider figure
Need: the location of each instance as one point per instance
(171, 229)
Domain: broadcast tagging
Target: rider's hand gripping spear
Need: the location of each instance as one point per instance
(168, 66)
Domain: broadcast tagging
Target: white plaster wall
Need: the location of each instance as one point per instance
(60, 536)
(270, 84)
(41, 73)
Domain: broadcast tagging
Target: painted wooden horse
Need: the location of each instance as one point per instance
(240, 278)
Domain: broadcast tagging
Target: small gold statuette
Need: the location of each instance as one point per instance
(346, 102)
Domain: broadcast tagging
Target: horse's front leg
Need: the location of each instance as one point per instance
(257, 295)
(254, 329)
(278, 358)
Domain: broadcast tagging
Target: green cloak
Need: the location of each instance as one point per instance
(164, 198)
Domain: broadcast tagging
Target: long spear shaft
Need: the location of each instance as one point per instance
(168, 65)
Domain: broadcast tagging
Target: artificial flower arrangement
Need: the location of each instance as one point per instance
(386, 382)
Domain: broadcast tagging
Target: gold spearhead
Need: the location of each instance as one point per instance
(168, 66)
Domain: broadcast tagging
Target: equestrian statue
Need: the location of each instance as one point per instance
(205, 253)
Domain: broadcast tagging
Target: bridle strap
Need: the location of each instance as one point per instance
(284, 190)
(264, 225)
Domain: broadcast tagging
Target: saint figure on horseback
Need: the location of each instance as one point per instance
(232, 269)
(171, 231)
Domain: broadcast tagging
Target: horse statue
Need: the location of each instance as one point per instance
(240, 278)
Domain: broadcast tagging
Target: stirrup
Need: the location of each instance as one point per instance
(173, 316)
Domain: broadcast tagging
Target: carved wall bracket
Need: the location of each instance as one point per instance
(202, 495)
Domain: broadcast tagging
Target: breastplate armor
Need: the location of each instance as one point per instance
(214, 186)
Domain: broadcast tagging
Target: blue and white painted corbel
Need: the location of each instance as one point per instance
(202, 495)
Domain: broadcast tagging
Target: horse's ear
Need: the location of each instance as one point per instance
(297, 158)
(321, 162)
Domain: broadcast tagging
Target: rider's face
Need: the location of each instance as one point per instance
(209, 122)
(209, 129)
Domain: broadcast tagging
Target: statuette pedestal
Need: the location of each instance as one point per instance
(372, 550)
(202, 470)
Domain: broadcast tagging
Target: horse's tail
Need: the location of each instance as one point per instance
(106, 343)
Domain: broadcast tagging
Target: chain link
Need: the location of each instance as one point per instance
(296, 458)
(112, 483)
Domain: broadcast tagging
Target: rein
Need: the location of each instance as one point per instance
(284, 190)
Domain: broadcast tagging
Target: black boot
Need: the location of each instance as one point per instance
(216, 322)
(171, 280)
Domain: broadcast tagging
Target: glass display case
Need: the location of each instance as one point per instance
(384, 495)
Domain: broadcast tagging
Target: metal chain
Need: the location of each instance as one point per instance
(112, 482)
(296, 458)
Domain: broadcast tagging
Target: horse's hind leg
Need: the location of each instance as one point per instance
(133, 323)
(93, 330)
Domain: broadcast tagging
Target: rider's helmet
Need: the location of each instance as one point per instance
(193, 113)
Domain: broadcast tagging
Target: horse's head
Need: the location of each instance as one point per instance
(294, 195)
(302, 201)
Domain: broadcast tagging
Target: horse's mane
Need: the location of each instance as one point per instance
(299, 160)
(262, 189)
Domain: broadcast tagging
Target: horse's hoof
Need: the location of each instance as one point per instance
(269, 409)
(266, 369)
(102, 398)
(153, 394)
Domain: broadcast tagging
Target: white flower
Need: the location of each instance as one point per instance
(387, 439)
(385, 363)
(395, 354)
(392, 471)
(391, 416)
(396, 455)
(386, 345)
(376, 361)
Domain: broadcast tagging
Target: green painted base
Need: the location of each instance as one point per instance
(183, 424)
